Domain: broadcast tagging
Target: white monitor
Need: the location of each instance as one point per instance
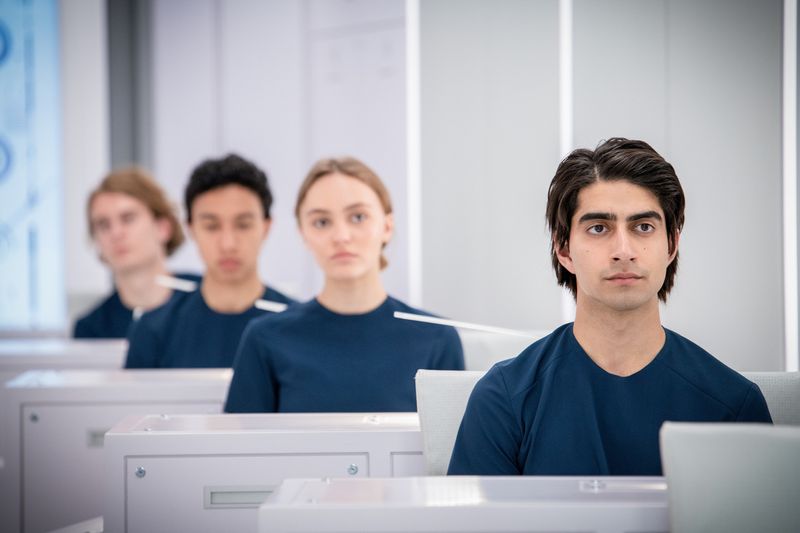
(468, 504)
(53, 424)
(211, 473)
(20, 355)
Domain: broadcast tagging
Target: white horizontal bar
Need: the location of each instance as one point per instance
(178, 284)
(268, 305)
(185, 285)
(462, 325)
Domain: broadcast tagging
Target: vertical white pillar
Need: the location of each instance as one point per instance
(790, 272)
(565, 112)
(413, 153)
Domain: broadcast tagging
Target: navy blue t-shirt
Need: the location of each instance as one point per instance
(553, 411)
(111, 319)
(311, 359)
(187, 333)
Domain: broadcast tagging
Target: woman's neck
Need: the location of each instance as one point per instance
(352, 297)
(139, 288)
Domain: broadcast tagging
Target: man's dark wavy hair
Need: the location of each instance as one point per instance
(229, 170)
(615, 159)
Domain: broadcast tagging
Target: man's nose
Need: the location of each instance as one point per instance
(228, 239)
(624, 249)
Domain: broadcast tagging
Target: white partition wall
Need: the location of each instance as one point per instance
(489, 120)
(210, 473)
(51, 445)
(468, 504)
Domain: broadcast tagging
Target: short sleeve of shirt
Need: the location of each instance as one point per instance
(143, 346)
(489, 437)
(252, 388)
(83, 330)
(754, 408)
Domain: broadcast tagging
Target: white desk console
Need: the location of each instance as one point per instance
(211, 473)
(20, 355)
(53, 425)
(465, 503)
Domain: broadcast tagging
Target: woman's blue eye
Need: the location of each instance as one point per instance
(359, 217)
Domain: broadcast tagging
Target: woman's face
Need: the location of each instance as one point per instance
(126, 233)
(343, 224)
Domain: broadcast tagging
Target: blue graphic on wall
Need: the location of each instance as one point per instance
(5, 42)
(5, 160)
(31, 214)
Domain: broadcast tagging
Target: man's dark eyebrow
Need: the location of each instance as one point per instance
(207, 216)
(597, 216)
(647, 214)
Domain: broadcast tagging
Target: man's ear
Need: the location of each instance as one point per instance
(676, 241)
(267, 225)
(563, 256)
(164, 230)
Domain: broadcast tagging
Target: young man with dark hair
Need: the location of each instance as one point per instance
(228, 212)
(590, 398)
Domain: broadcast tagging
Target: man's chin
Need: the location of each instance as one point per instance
(628, 303)
(126, 266)
(231, 277)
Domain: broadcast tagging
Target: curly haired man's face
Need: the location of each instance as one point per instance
(229, 228)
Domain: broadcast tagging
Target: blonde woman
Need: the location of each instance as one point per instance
(342, 351)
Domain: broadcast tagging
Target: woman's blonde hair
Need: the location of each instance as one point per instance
(348, 166)
(139, 184)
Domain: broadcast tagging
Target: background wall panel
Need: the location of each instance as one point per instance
(701, 81)
(489, 97)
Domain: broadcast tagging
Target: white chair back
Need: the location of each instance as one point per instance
(441, 400)
(732, 477)
(483, 349)
(782, 392)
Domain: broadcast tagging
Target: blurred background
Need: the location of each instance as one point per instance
(463, 107)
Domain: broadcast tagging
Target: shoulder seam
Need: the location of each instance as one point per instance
(750, 391)
(695, 387)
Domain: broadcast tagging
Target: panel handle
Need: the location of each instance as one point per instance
(236, 497)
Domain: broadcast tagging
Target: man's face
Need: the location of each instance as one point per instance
(127, 235)
(618, 247)
(229, 228)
